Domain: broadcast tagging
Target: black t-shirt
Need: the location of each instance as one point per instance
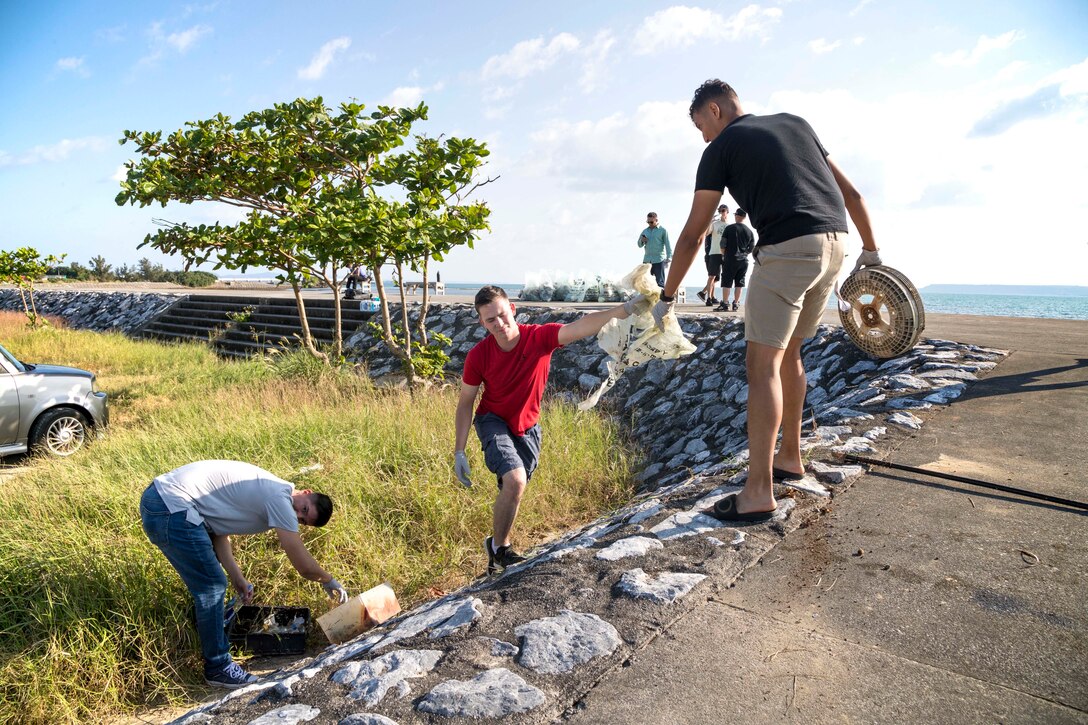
(739, 241)
(706, 245)
(775, 169)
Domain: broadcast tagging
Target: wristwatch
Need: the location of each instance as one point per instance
(667, 298)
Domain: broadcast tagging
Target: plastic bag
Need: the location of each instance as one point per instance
(636, 340)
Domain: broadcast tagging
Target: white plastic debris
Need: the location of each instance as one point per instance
(636, 340)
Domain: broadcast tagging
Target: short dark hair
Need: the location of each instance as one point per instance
(487, 295)
(711, 90)
(323, 504)
(651, 213)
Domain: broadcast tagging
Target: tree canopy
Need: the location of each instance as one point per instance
(322, 189)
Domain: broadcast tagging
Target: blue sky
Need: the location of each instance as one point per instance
(963, 124)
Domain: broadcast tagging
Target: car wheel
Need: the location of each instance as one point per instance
(59, 432)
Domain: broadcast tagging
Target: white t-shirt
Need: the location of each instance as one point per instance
(231, 497)
(716, 229)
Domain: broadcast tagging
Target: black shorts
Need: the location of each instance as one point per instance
(714, 266)
(504, 451)
(734, 271)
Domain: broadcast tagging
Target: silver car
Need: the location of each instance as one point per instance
(47, 408)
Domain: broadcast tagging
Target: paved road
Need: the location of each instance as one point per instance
(913, 600)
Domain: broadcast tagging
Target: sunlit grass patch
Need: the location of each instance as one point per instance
(92, 618)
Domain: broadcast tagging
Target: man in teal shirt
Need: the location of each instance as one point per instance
(658, 250)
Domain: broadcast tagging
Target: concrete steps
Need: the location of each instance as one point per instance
(239, 326)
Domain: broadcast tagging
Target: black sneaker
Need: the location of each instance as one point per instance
(231, 677)
(723, 307)
(735, 306)
(702, 295)
(500, 559)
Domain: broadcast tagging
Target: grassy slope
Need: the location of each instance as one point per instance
(92, 618)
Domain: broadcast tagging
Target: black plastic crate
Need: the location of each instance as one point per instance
(246, 630)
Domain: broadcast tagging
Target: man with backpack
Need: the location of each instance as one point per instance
(737, 243)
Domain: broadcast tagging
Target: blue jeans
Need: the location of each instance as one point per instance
(657, 269)
(189, 550)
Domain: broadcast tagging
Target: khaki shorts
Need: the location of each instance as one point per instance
(790, 287)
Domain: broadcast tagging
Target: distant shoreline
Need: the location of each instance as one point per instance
(1007, 290)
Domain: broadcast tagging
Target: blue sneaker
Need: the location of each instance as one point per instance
(231, 677)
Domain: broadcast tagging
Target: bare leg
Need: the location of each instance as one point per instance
(794, 385)
(764, 418)
(506, 505)
(710, 286)
(736, 294)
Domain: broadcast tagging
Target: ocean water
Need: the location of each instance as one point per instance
(1062, 308)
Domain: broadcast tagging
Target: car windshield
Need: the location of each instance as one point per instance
(11, 359)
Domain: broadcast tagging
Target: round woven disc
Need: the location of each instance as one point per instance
(881, 311)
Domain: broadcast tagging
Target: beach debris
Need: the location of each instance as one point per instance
(637, 340)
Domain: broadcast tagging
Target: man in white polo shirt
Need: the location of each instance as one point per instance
(191, 512)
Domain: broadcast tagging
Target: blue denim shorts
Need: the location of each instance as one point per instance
(504, 451)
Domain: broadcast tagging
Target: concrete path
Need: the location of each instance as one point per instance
(914, 600)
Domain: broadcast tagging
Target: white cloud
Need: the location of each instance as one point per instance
(323, 58)
(859, 7)
(52, 153)
(821, 46)
(596, 56)
(1072, 80)
(120, 174)
(115, 34)
(649, 148)
(528, 57)
(183, 40)
(985, 45)
(160, 42)
(682, 26)
(858, 39)
(72, 65)
(408, 96)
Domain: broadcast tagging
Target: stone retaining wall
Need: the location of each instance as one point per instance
(688, 415)
(101, 311)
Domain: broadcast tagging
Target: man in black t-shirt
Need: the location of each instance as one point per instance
(797, 198)
(737, 243)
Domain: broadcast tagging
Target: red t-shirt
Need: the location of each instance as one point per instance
(513, 381)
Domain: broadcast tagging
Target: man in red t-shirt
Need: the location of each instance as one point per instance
(512, 364)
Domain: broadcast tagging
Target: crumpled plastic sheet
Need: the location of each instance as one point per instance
(636, 340)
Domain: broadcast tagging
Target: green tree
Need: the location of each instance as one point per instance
(81, 273)
(149, 272)
(322, 189)
(100, 271)
(23, 268)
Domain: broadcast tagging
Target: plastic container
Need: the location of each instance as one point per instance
(359, 614)
(269, 630)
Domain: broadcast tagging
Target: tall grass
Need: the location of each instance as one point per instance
(93, 621)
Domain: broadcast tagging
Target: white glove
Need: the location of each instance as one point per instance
(460, 468)
(637, 305)
(660, 311)
(335, 590)
(868, 259)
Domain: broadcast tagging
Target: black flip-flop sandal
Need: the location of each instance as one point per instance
(779, 474)
(725, 509)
